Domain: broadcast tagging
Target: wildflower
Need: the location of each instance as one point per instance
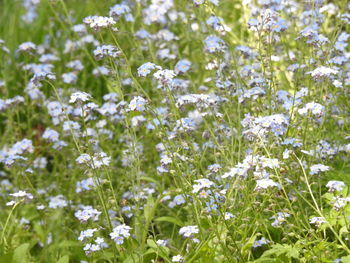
(58, 201)
(340, 202)
(316, 109)
(42, 75)
(229, 216)
(318, 221)
(101, 70)
(164, 76)
(179, 199)
(99, 244)
(266, 183)
(201, 183)
(279, 218)
(69, 78)
(260, 242)
(212, 205)
(98, 22)
(315, 169)
(161, 243)
(46, 58)
(137, 104)
(87, 213)
(182, 66)
(198, 2)
(186, 124)
(177, 258)
(40, 163)
(88, 233)
(85, 185)
(189, 231)
(146, 68)
(28, 47)
(321, 72)
(19, 196)
(214, 44)
(143, 34)
(100, 159)
(214, 168)
(334, 186)
(71, 125)
(119, 10)
(22, 147)
(80, 97)
(80, 29)
(120, 233)
(106, 51)
(54, 108)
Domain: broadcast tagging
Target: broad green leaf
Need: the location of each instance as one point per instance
(279, 249)
(133, 258)
(20, 255)
(151, 243)
(248, 245)
(149, 209)
(64, 259)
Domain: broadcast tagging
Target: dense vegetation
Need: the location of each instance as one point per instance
(174, 131)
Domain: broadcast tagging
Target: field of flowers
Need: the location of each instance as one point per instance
(174, 131)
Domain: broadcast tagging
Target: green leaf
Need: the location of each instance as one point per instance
(248, 245)
(343, 230)
(279, 250)
(64, 259)
(149, 209)
(20, 255)
(169, 219)
(159, 250)
(133, 258)
(151, 243)
(345, 259)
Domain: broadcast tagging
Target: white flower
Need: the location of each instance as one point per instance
(188, 231)
(27, 47)
(315, 169)
(229, 215)
(164, 75)
(86, 234)
(97, 22)
(161, 243)
(177, 258)
(317, 220)
(322, 72)
(316, 109)
(79, 96)
(22, 194)
(201, 183)
(335, 186)
(266, 183)
(106, 51)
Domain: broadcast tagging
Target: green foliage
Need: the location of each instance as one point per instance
(155, 163)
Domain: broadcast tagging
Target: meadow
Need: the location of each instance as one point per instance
(160, 131)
